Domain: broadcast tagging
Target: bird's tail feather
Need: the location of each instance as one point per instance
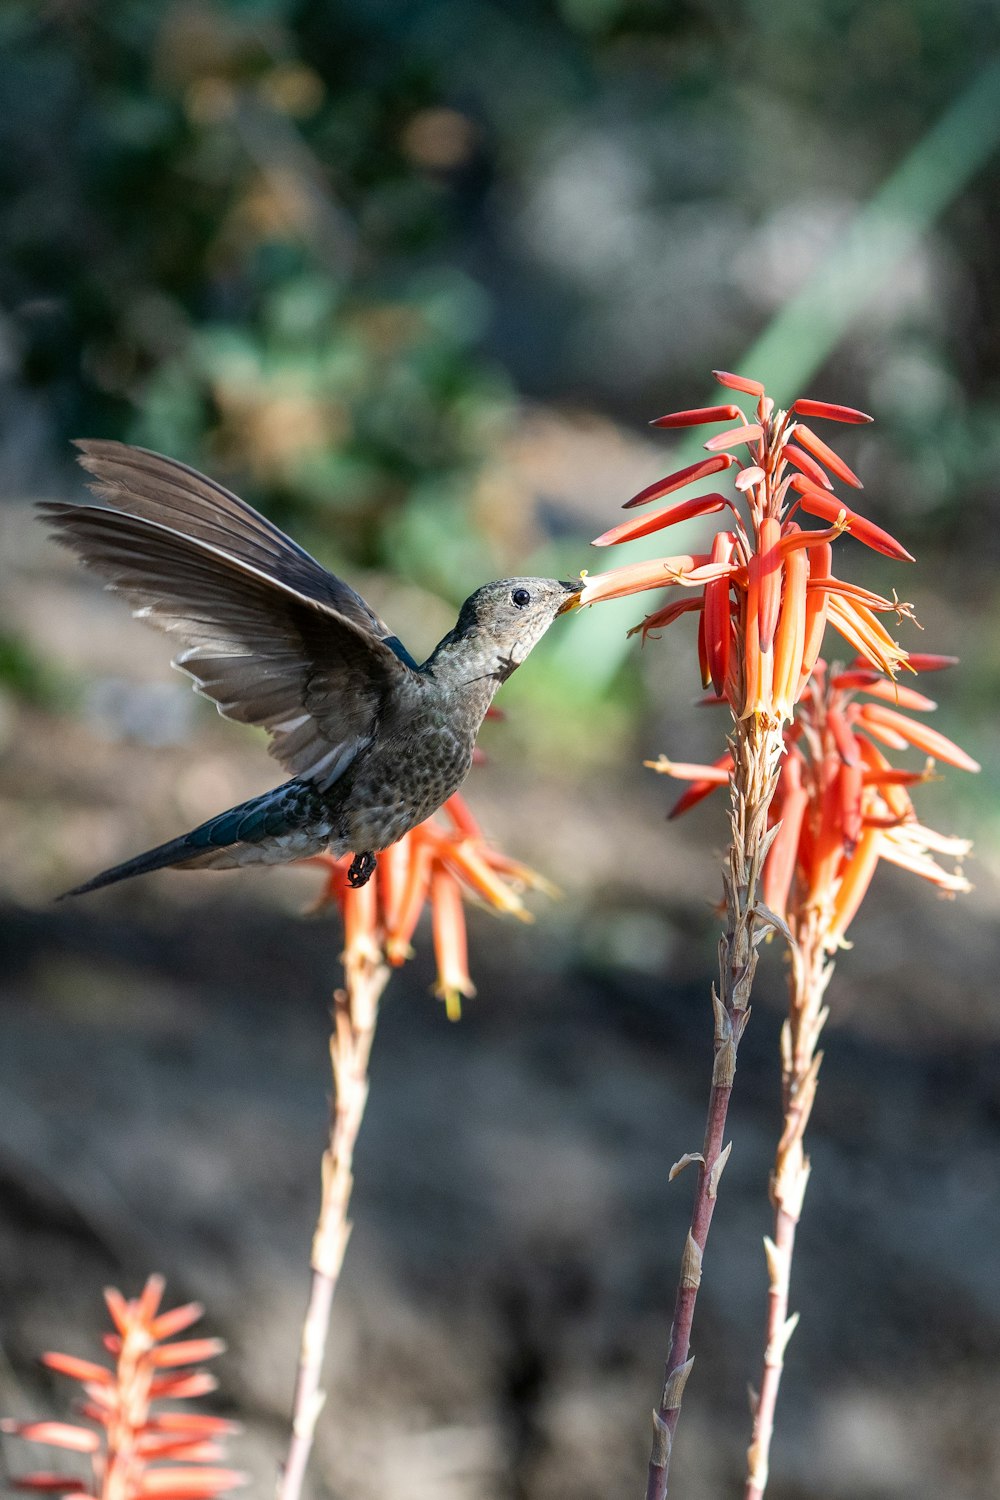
(247, 834)
(177, 852)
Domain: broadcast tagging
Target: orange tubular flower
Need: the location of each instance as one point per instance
(841, 805)
(127, 1452)
(442, 861)
(451, 949)
(766, 590)
(815, 804)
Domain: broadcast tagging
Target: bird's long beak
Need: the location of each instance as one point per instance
(573, 587)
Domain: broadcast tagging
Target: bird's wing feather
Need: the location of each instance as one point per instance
(146, 484)
(267, 654)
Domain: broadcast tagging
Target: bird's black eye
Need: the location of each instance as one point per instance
(520, 597)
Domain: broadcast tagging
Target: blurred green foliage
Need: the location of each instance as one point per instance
(214, 248)
(30, 677)
(324, 250)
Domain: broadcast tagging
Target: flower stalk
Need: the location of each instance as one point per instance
(810, 974)
(839, 808)
(441, 862)
(756, 747)
(763, 596)
(355, 1014)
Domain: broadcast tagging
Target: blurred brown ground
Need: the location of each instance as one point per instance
(502, 1319)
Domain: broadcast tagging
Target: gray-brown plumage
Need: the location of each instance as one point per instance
(375, 741)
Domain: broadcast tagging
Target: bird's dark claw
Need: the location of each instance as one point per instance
(361, 871)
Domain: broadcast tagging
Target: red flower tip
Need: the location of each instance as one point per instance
(77, 1369)
(830, 508)
(678, 480)
(739, 383)
(932, 741)
(190, 1484)
(812, 470)
(183, 1387)
(176, 1320)
(748, 433)
(52, 1484)
(697, 415)
(927, 661)
(816, 446)
(628, 531)
(58, 1434)
(703, 779)
(830, 411)
(190, 1352)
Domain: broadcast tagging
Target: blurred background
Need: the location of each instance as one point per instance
(412, 276)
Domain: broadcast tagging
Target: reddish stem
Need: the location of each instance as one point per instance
(677, 1368)
(756, 750)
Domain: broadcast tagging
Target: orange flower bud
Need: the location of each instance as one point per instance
(827, 409)
(790, 805)
(758, 665)
(59, 1434)
(360, 922)
(830, 508)
(816, 446)
(667, 615)
(390, 876)
(771, 569)
(397, 936)
(630, 531)
(703, 664)
(922, 735)
(735, 437)
(790, 639)
(678, 480)
(927, 661)
(450, 943)
(739, 383)
(698, 415)
(855, 879)
(704, 781)
(810, 468)
(717, 615)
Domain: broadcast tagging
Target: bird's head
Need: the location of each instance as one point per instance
(511, 616)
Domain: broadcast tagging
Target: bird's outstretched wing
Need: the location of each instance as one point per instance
(156, 488)
(272, 637)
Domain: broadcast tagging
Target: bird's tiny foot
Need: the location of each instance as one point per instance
(361, 871)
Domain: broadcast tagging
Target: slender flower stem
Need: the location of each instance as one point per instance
(756, 747)
(355, 1016)
(809, 976)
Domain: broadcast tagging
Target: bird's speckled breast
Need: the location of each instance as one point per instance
(395, 786)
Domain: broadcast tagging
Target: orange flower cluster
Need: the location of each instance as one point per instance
(840, 805)
(127, 1455)
(765, 591)
(438, 863)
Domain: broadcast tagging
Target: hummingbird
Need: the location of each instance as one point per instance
(375, 741)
